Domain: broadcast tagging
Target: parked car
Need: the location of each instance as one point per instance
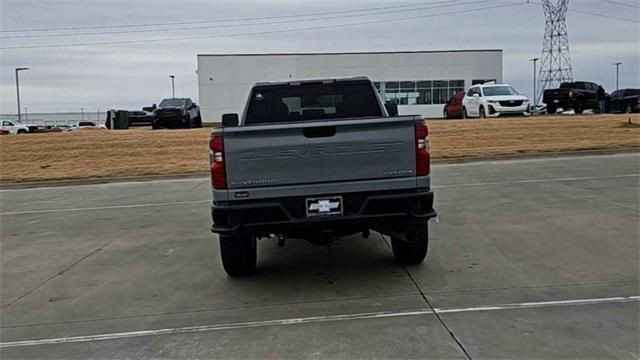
(17, 127)
(140, 117)
(177, 112)
(493, 100)
(319, 159)
(84, 124)
(625, 100)
(577, 95)
(453, 107)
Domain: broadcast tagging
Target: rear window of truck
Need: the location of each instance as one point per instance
(311, 101)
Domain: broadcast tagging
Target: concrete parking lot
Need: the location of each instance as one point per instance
(529, 258)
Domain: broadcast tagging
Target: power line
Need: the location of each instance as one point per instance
(431, 6)
(621, 4)
(594, 14)
(266, 32)
(605, 16)
(223, 20)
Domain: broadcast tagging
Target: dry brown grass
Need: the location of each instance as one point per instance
(89, 154)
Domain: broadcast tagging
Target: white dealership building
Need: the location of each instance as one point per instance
(420, 82)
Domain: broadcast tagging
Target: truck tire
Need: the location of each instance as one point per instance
(22, 131)
(188, 122)
(551, 109)
(407, 253)
(578, 107)
(239, 255)
(155, 125)
(445, 114)
(199, 121)
(481, 112)
(464, 113)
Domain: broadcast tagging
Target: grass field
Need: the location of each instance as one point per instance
(102, 153)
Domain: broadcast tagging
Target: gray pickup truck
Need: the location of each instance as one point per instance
(319, 159)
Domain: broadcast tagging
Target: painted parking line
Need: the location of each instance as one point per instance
(514, 182)
(105, 207)
(530, 181)
(313, 319)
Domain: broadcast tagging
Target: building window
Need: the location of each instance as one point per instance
(421, 92)
(476, 82)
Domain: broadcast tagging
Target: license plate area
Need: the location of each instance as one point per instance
(324, 206)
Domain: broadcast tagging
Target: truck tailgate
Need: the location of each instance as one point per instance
(320, 152)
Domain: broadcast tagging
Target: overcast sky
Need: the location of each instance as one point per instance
(133, 75)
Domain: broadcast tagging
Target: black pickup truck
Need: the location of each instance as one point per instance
(578, 95)
(177, 112)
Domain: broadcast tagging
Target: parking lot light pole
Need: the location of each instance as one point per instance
(617, 74)
(535, 95)
(18, 88)
(173, 86)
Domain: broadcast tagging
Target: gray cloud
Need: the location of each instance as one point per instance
(133, 75)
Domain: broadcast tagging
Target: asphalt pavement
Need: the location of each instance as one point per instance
(529, 258)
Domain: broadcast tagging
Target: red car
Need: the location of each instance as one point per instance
(4, 132)
(453, 107)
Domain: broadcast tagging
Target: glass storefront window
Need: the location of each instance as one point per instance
(419, 92)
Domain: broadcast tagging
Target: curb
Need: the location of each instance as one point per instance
(460, 160)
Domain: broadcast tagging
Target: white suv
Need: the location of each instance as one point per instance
(15, 127)
(493, 100)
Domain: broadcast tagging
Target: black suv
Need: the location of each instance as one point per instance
(177, 112)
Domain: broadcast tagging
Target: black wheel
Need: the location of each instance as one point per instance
(464, 113)
(481, 112)
(411, 252)
(199, 121)
(155, 125)
(239, 255)
(551, 109)
(445, 114)
(22, 131)
(578, 107)
(188, 122)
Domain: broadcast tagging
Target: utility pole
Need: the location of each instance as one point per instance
(535, 98)
(173, 86)
(617, 74)
(18, 88)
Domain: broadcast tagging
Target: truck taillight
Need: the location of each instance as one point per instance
(218, 171)
(423, 159)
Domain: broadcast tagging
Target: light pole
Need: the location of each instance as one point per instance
(173, 86)
(18, 88)
(617, 73)
(535, 94)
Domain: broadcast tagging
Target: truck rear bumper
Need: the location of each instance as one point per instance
(288, 215)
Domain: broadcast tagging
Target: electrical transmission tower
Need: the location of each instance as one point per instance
(555, 64)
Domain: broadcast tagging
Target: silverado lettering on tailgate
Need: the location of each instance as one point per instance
(344, 149)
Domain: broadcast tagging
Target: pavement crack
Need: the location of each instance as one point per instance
(59, 273)
(424, 297)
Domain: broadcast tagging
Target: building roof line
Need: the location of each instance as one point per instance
(360, 53)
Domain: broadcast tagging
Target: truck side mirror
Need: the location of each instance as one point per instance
(230, 120)
(392, 109)
(476, 95)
